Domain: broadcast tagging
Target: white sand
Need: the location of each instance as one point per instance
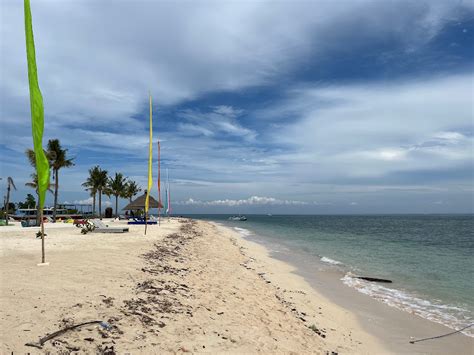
(204, 289)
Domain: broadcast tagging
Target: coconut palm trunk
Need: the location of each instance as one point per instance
(100, 204)
(7, 204)
(10, 183)
(56, 188)
(58, 159)
(93, 203)
(116, 206)
(37, 209)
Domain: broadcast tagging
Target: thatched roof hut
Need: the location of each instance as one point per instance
(139, 203)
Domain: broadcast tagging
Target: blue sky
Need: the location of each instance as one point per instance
(282, 107)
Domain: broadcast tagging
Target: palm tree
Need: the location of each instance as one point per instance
(116, 186)
(10, 184)
(100, 183)
(57, 160)
(30, 154)
(91, 185)
(34, 185)
(131, 189)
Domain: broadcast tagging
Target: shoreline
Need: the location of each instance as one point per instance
(305, 299)
(393, 327)
(188, 286)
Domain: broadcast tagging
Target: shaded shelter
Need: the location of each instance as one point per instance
(139, 203)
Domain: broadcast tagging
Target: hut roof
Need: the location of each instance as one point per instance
(139, 203)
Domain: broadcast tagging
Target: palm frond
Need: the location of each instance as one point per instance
(10, 182)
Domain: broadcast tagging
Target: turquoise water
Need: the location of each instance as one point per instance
(428, 257)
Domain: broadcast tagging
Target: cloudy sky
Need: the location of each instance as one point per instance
(283, 107)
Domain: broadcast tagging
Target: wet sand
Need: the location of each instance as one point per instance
(185, 287)
(392, 327)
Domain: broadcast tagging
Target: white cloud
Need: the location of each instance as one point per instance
(377, 129)
(87, 201)
(96, 66)
(219, 120)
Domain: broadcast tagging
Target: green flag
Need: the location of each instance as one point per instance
(37, 111)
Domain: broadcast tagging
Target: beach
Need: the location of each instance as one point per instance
(187, 286)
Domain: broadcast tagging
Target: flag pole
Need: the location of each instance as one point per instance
(37, 121)
(42, 236)
(146, 213)
(159, 183)
(150, 161)
(168, 194)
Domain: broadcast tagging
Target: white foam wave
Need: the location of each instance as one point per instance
(327, 260)
(450, 316)
(244, 232)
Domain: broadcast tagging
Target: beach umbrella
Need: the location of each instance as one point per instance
(37, 120)
(140, 202)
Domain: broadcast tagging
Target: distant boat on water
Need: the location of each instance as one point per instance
(238, 218)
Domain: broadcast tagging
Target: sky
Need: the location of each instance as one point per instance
(304, 107)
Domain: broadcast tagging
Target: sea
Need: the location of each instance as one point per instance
(429, 258)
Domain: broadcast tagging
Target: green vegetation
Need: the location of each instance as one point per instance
(10, 184)
(96, 183)
(30, 202)
(131, 189)
(117, 186)
(58, 159)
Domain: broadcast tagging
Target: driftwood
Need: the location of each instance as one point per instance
(44, 339)
(443, 335)
(373, 279)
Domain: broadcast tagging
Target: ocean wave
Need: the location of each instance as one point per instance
(450, 316)
(327, 260)
(243, 231)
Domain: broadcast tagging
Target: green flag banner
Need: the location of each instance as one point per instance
(37, 110)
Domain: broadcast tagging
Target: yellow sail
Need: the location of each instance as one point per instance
(150, 172)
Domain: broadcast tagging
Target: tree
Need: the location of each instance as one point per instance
(30, 154)
(11, 207)
(57, 160)
(99, 182)
(34, 185)
(116, 186)
(10, 184)
(91, 185)
(131, 189)
(30, 202)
